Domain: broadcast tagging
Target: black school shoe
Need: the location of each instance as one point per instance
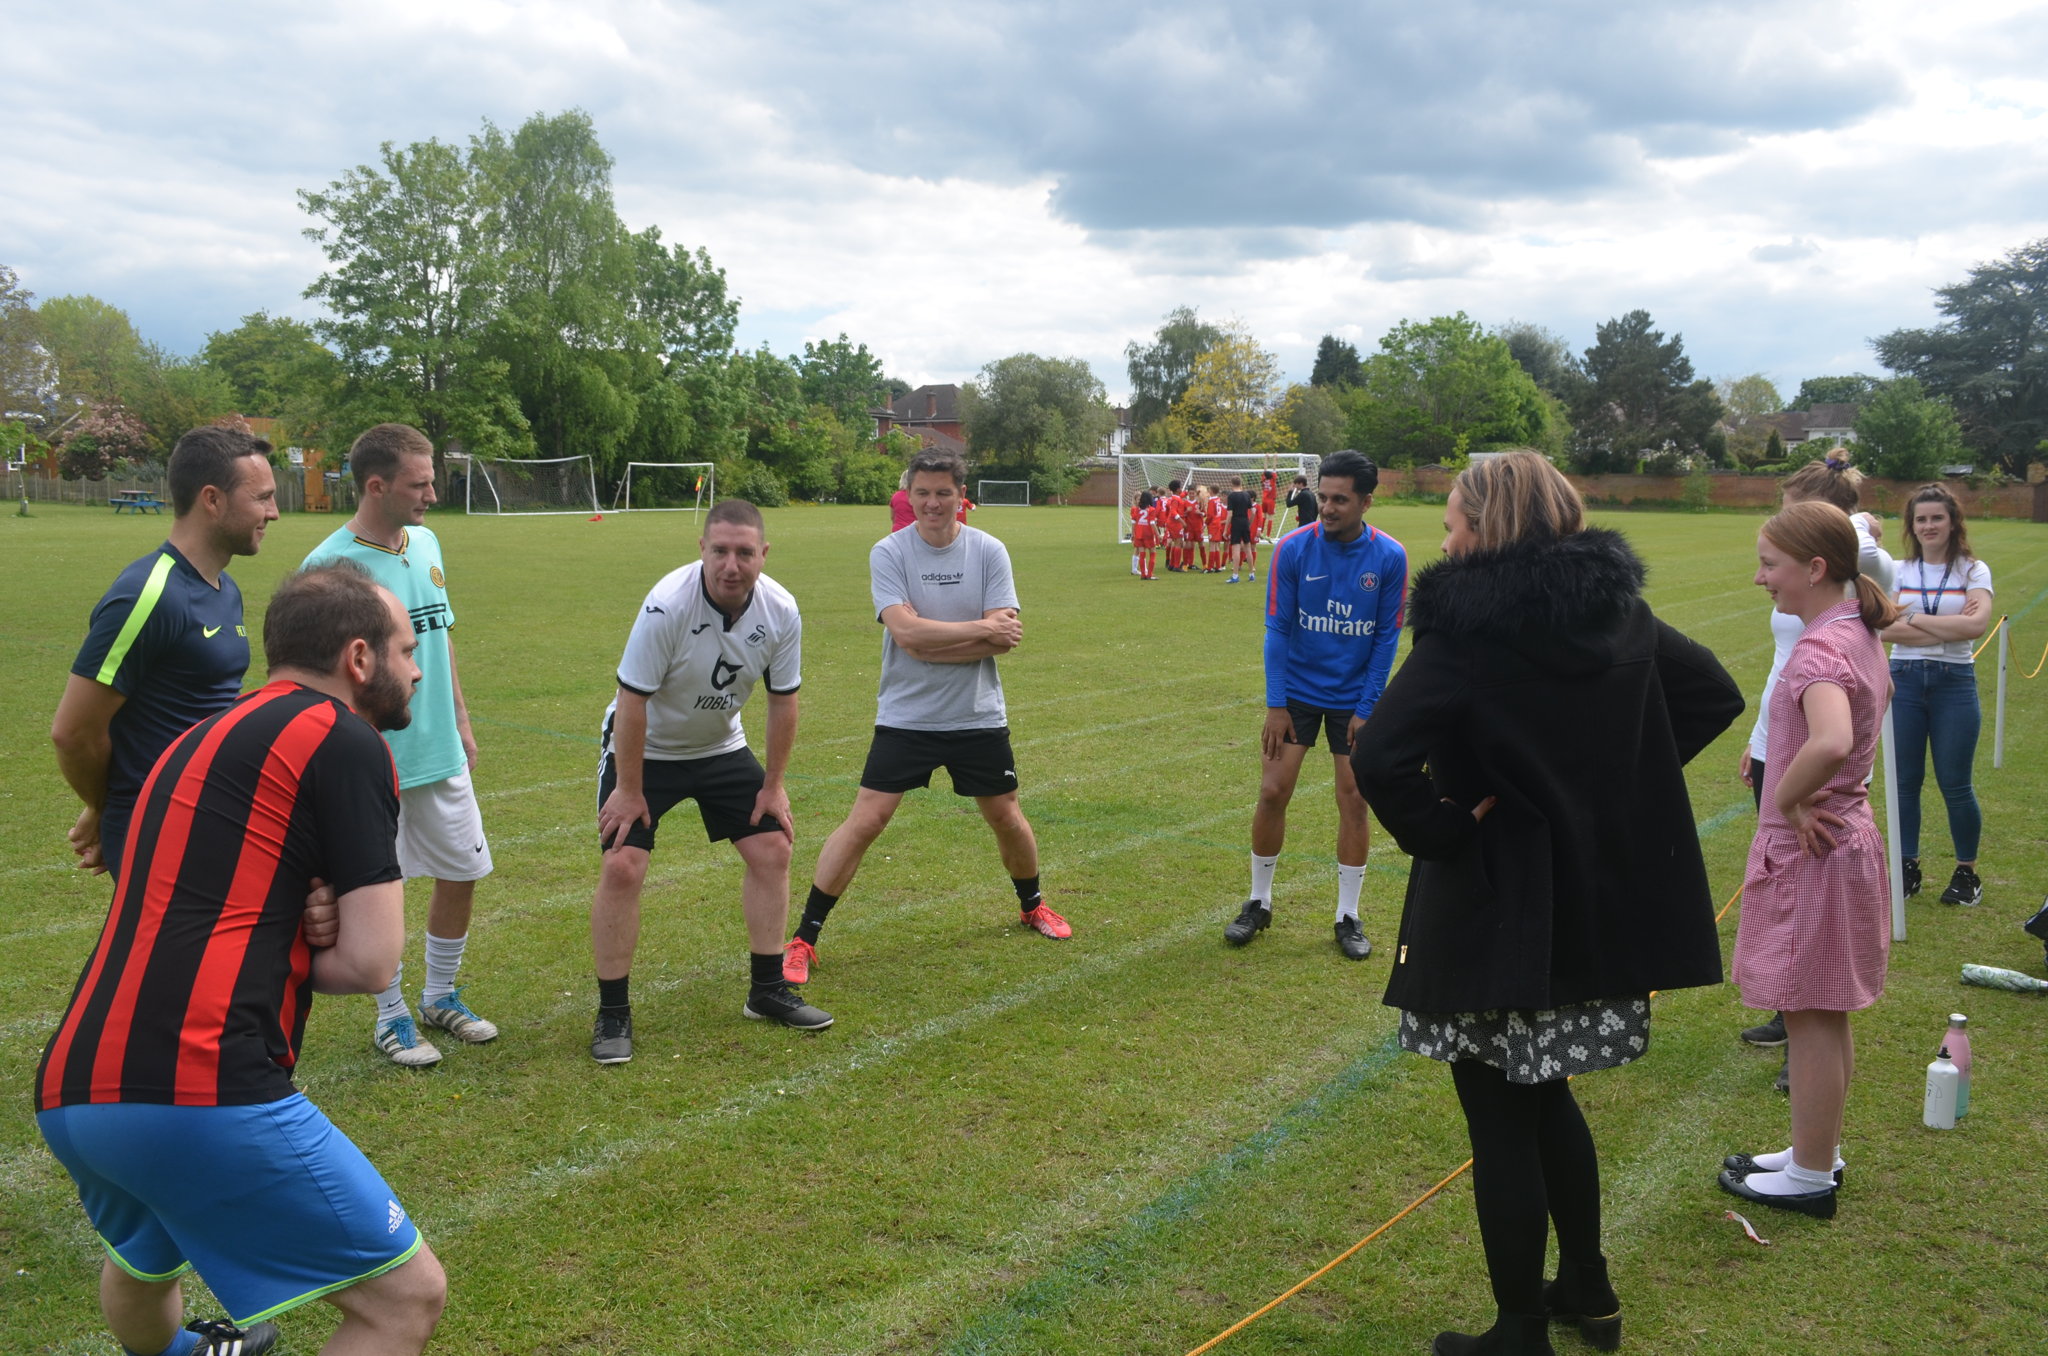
(1818, 1204)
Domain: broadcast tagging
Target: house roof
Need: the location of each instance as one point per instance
(938, 404)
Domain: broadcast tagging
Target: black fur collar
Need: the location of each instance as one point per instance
(1532, 594)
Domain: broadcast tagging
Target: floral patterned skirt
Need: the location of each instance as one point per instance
(1535, 1047)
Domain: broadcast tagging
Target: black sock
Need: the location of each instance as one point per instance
(1027, 892)
(767, 970)
(815, 908)
(611, 996)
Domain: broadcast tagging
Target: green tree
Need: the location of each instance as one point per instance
(1160, 371)
(99, 355)
(271, 362)
(1989, 358)
(1033, 418)
(680, 297)
(1231, 406)
(842, 376)
(1315, 418)
(1337, 363)
(1850, 390)
(1641, 397)
(1547, 358)
(1750, 395)
(1443, 388)
(1904, 434)
(28, 375)
(416, 279)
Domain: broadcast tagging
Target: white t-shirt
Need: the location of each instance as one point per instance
(696, 668)
(1940, 591)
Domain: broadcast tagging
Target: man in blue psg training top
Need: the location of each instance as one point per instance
(1334, 599)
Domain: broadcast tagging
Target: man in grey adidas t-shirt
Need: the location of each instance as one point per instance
(943, 592)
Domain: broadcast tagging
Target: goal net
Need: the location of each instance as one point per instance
(1002, 493)
(523, 485)
(1137, 472)
(667, 486)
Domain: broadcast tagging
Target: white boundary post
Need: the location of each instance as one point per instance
(1891, 827)
(1998, 729)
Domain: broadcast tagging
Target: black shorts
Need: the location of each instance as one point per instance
(1309, 719)
(723, 785)
(978, 761)
(1241, 536)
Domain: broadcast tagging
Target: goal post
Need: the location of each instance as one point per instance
(1137, 471)
(1002, 494)
(667, 487)
(529, 485)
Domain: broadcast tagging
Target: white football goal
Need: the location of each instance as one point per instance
(507, 485)
(667, 487)
(1137, 472)
(1003, 493)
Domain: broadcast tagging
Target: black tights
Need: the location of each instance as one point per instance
(1533, 1164)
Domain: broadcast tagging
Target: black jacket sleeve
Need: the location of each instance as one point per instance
(1702, 699)
(1417, 712)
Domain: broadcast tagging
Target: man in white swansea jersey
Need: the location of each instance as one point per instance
(704, 636)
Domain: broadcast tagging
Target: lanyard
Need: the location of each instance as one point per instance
(1939, 589)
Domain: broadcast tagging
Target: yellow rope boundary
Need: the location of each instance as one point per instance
(1987, 641)
(1305, 1282)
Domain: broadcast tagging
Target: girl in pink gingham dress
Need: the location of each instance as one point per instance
(1815, 931)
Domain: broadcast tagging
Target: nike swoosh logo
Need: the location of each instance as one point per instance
(209, 631)
(1311, 578)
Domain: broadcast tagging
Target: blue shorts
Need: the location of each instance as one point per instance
(271, 1204)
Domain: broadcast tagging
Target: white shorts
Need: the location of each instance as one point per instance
(441, 831)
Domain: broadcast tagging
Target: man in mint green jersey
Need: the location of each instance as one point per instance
(440, 829)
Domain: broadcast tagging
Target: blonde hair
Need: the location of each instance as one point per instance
(1831, 481)
(1516, 495)
(1812, 529)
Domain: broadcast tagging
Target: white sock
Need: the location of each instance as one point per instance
(1350, 884)
(1793, 1181)
(444, 958)
(1134, 563)
(1782, 1159)
(1262, 878)
(391, 1003)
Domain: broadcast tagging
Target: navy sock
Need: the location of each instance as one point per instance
(611, 996)
(767, 970)
(815, 908)
(1028, 897)
(181, 1345)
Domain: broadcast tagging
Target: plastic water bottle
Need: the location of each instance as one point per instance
(1938, 1112)
(1957, 1042)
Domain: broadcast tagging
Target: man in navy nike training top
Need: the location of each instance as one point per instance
(1334, 599)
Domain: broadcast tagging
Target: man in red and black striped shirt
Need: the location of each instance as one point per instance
(167, 1091)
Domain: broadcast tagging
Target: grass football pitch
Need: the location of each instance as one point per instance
(1120, 1143)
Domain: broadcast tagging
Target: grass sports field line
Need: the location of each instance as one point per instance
(996, 1330)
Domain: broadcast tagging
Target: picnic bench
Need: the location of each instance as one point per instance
(137, 501)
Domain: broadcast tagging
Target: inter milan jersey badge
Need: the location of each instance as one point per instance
(434, 573)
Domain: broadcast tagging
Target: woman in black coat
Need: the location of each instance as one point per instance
(1530, 756)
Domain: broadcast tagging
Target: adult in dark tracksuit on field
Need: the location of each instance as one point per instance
(1334, 599)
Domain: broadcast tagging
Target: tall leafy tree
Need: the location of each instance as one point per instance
(1337, 363)
(1232, 400)
(98, 353)
(1902, 433)
(1641, 396)
(843, 377)
(416, 278)
(680, 298)
(270, 362)
(1989, 357)
(1547, 357)
(1442, 388)
(1161, 370)
(1033, 418)
(1315, 418)
(1750, 395)
(1850, 390)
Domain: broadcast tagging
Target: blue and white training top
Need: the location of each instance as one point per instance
(1333, 618)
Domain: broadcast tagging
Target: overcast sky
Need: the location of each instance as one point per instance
(950, 183)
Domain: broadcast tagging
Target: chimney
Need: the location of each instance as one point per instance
(931, 404)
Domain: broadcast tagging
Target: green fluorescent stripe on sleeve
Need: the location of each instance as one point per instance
(145, 603)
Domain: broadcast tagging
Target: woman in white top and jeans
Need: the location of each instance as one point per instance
(1946, 594)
